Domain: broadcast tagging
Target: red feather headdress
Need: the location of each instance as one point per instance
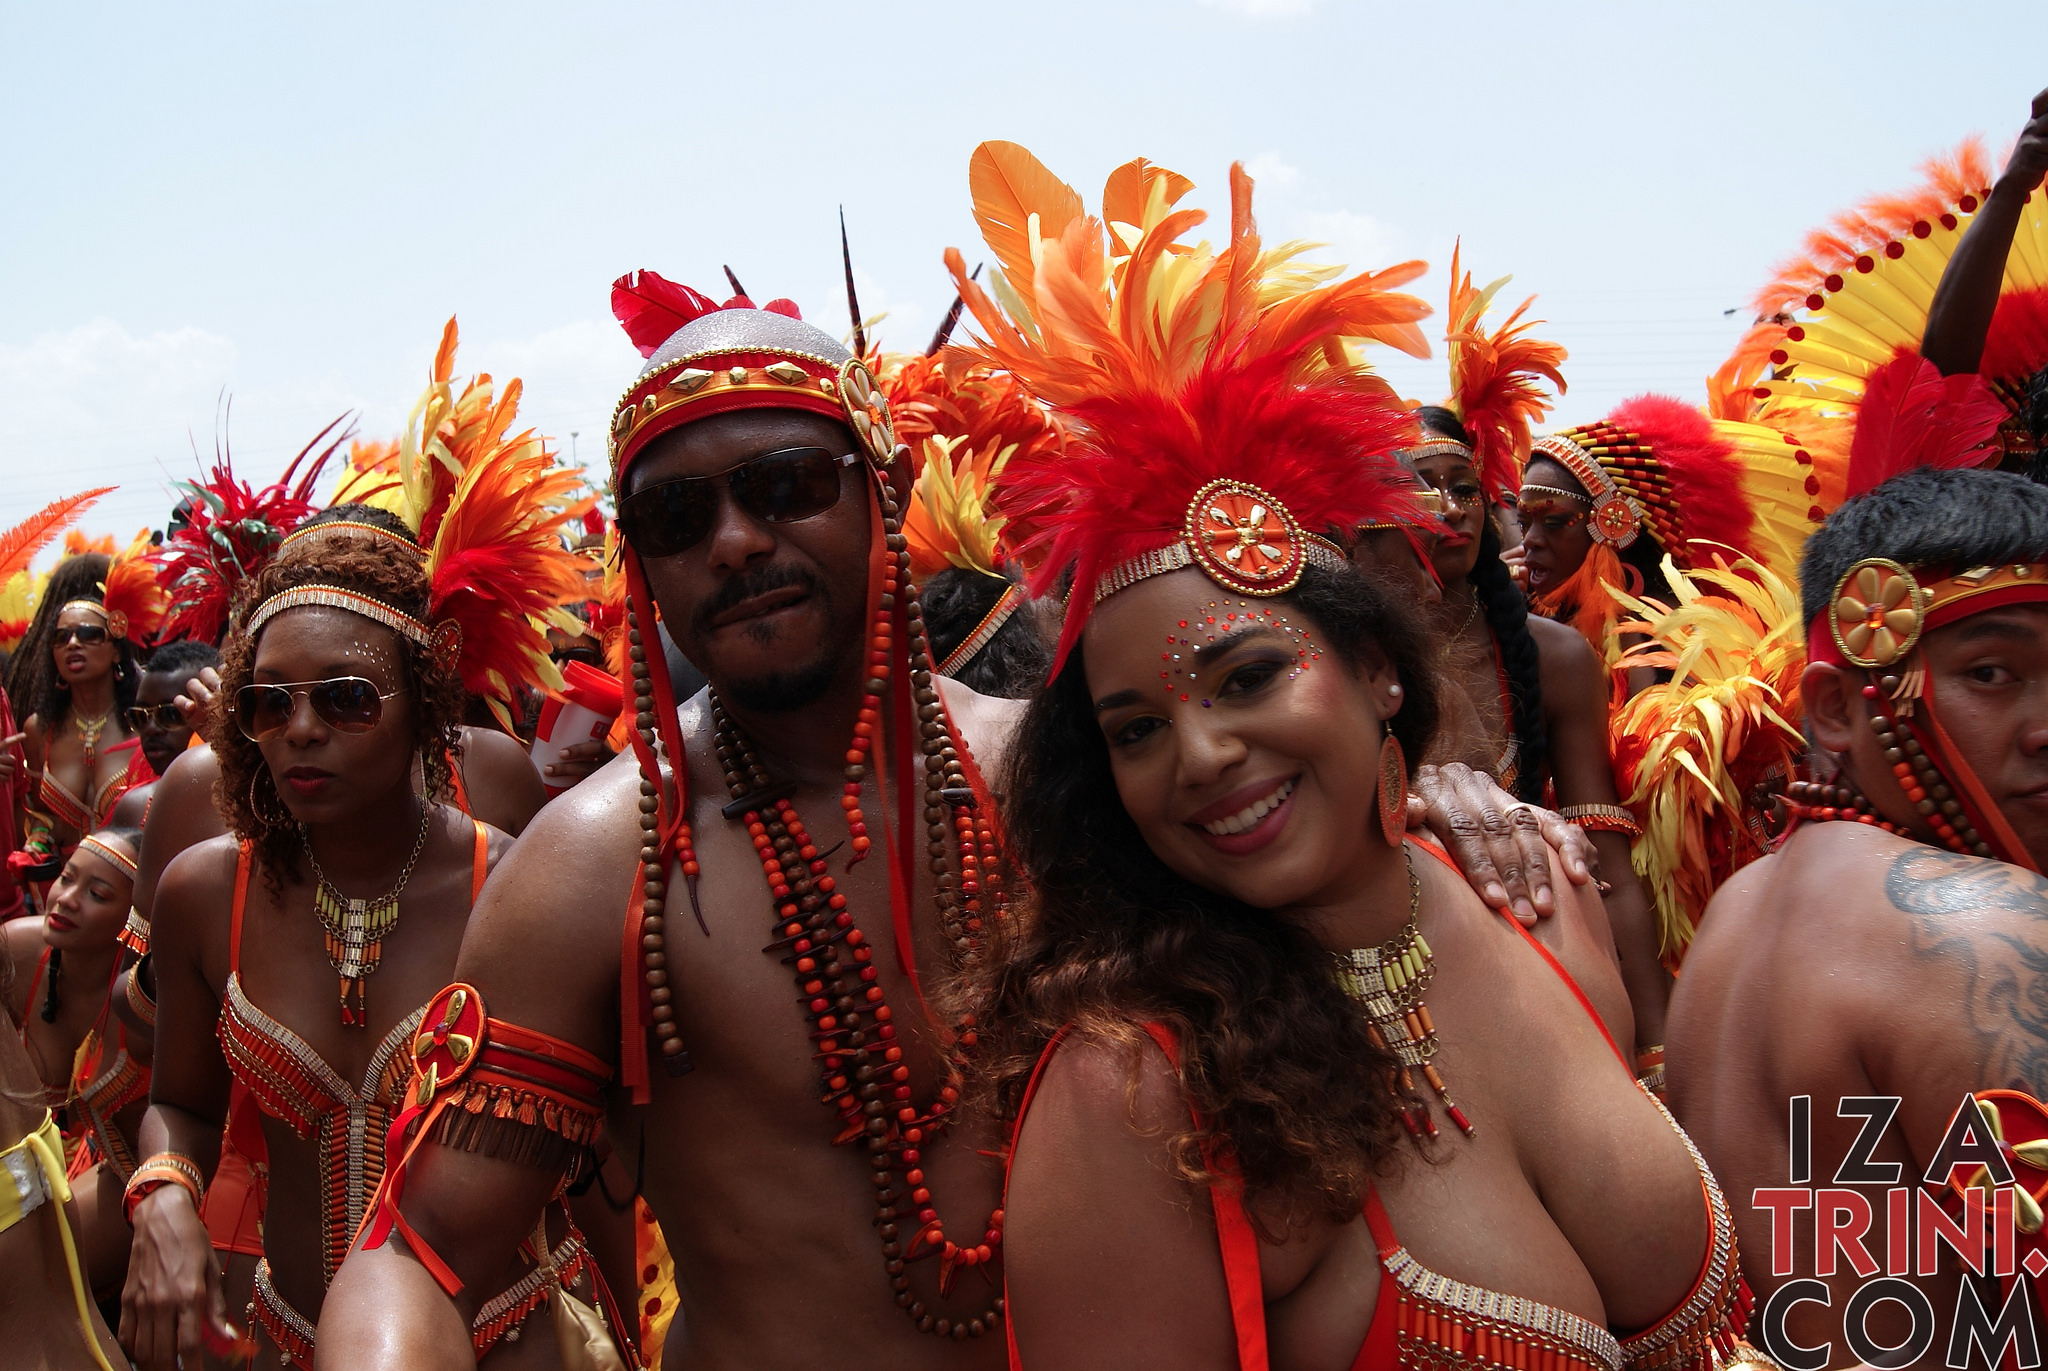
(1494, 380)
(230, 531)
(1217, 415)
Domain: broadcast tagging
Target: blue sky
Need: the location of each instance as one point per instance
(283, 202)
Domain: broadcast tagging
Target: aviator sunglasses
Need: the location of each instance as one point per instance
(165, 717)
(346, 704)
(88, 635)
(777, 487)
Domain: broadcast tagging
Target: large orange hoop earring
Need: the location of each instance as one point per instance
(1393, 790)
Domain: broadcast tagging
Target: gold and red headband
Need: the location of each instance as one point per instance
(751, 377)
(1880, 609)
(443, 640)
(1437, 447)
(1239, 536)
(1616, 518)
(991, 624)
(108, 853)
(117, 622)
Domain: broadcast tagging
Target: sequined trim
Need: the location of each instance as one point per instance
(1564, 1331)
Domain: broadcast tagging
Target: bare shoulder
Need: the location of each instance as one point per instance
(133, 807)
(190, 914)
(22, 942)
(543, 942)
(504, 788)
(985, 722)
(1567, 658)
(1106, 1089)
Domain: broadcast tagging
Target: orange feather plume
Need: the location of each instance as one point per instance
(131, 588)
(20, 544)
(1495, 390)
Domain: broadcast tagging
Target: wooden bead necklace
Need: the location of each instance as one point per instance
(1917, 774)
(862, 1073)
(1388, 979)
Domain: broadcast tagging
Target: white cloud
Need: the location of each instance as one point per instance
(1359, 241)
(1271, 173)
(1261, 9)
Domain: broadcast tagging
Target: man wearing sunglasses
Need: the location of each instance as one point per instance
(155, 716)
(780, 1137)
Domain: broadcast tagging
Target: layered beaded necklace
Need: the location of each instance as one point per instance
(355, 929)
(862, 1073)
(1387, 979)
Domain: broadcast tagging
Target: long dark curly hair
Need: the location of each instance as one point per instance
(1507, 615)
(246, 794)
(32, 680)
(1274, 1056)
(1012, 664)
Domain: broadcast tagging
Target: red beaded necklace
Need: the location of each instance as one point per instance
(861, 1070)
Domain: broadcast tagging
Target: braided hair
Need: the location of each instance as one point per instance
(1507, 615)
(32, 680)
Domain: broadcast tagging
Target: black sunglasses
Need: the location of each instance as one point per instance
(346, 704)
(91, 635)
(163, 716)
(777, 487)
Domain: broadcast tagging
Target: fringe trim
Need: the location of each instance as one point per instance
(516, 1125)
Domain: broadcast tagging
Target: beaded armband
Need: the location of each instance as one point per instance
(139, 998)
(134, 934)
(1603, 819)
(484, 1085)
(1650, 1069)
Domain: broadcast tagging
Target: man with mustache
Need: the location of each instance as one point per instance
(759, 485)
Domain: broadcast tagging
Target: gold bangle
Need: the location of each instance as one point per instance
(139, 999)
(1603, 819)
(158, 1171)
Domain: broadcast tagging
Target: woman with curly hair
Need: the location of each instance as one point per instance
(76, 675)
(337, 874)
(1529, 705)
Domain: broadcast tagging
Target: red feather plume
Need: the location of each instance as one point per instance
(1912, 416)
(1123, 487)
(2017, 345)
(1701, 467)
(651, 308)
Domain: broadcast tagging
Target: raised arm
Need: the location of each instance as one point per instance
(542, 950)
(1960, 317)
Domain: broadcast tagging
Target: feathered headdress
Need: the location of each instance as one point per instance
(1494, 390)
(1859, 296)
(1698, 756)
(370, 476)
(230, 531)
(1217, 417)
(19, 546)
(132, 597)
(492, 511)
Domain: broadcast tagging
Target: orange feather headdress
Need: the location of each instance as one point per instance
(1494, 380)
(1217, 415)
(19, 546)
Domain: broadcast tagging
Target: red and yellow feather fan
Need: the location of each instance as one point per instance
(1495, 390)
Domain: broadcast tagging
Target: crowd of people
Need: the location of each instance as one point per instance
(1324, 878)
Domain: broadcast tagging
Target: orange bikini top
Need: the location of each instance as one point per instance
(1429, 1322)
(295, 1085)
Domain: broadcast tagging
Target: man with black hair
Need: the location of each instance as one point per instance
(1897, 944)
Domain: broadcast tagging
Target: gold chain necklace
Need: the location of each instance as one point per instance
(1387, 979)
(89, 741)
(356, 928)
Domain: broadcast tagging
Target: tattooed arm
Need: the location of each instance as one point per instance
(1972, 1007)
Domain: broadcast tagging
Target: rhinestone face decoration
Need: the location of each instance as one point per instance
(1180, 664)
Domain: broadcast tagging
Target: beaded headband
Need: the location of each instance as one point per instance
(1436, 447)
(1576, 496)
(1239, 536)
(117, 622)
(107, 852)
(351, 526)
(443, 640)
(990, 625)
(1617, 518)
(751, 377)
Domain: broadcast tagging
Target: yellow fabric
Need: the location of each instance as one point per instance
(46, 1146)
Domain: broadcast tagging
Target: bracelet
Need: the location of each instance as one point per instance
(134, 934)
(1650, 1069)
(165, 1168)
(139, 999)
(1603, 819)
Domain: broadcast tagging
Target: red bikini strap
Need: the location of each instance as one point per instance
(242, 856)
(479, 865)
(456, 782)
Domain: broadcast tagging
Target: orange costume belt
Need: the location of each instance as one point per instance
(484, 1085)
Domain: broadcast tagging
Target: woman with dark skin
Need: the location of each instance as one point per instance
(324, 794)
(45, 1319)
(1531, 701)
(60, 970)
(77, 678)
(1169, 890)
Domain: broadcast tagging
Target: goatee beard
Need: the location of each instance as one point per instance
(783, 691)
